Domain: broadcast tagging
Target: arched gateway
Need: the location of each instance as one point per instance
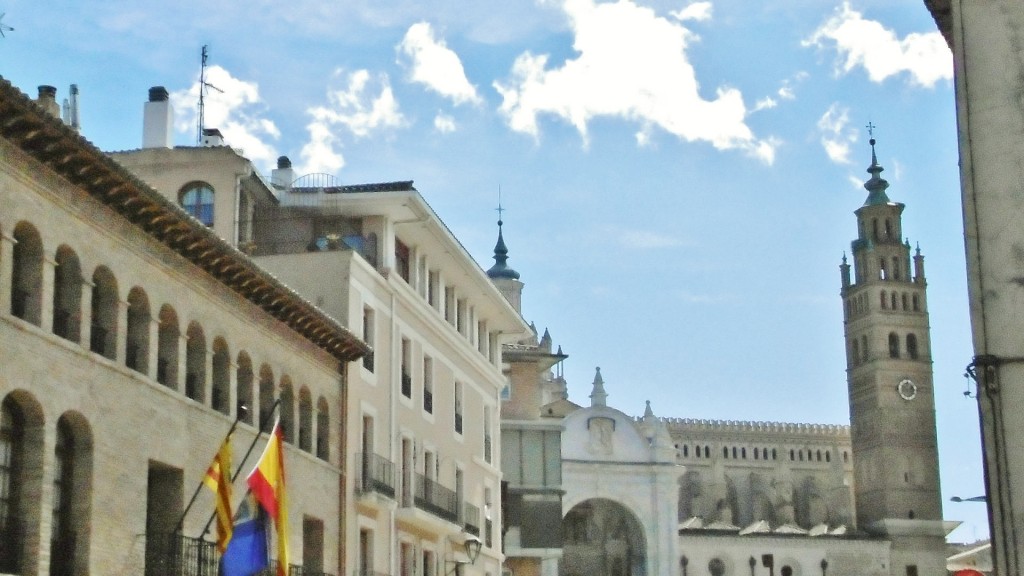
(602, 538)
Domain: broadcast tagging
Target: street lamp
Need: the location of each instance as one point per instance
(824, 566)
(472, 545)
(981, 498)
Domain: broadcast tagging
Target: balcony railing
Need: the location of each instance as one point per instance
(177, 555)
(406, 384)
(62, 555)
(294, 570)
(432, 497)
(471, 518)
(376, 474)
(11, 546)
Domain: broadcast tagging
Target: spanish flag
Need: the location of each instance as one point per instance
(267, 484)
(218, 479)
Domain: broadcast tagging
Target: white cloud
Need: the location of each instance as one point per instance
(235, 108)
(869, 44)
(698, 11)
(435, 65)
(786, 91)
(766, 103)
(836, 135)
(444, 123)
(364, 106)
(645, 239)
(607, 79)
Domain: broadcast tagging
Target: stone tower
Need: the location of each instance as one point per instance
(889, 377)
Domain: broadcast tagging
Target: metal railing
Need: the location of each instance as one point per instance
(295, 570)
(11, 546)
(432, 497)
(376, 474)
(471, 518)
(406, 384)
(177, 555)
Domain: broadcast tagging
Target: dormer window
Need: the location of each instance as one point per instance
(197, 200)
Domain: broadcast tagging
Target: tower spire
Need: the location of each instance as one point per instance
(501, 268)
(876, 185)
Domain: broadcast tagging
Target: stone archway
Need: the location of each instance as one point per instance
(602, 538)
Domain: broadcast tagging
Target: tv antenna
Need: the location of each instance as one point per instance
(4, 27)
(203, 85)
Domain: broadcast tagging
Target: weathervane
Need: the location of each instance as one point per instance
(203, 85)
(871, 130)
(4, 27)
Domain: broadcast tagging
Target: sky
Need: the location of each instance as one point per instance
(678, 177)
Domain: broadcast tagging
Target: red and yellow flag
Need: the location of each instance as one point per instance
(218, 479)
(267, 484)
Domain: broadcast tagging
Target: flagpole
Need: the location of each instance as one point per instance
(252, 445)
(242, 410)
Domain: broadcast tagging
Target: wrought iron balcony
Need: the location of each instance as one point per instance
(294, 570)
(471, 518)
(432, 497)
(177, 555)
(375, 474)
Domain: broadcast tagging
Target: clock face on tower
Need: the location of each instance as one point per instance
(907, 389)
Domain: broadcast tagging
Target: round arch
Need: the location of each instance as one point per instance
(601, 537)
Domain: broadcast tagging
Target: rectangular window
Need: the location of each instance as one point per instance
(487, 434)
(407, 560)
(488, 522)
(428, 563)
(369, 329)
(449, 304)
(433, 287)
(312, 545)
(365, 552)
(402, 259)
(481, 338)
(428, 384)
(406, 368)
(458, 407)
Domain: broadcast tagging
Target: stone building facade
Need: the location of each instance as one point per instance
(421, 474)
(131, 336)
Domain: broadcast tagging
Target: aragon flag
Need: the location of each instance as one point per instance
(268, 486)
(218, 479)
(247, 552)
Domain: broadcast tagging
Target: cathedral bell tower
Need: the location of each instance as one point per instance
(889, 375)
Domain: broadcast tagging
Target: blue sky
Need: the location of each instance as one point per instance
(679, 177)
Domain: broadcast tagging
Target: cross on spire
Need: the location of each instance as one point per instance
(871, 129)
(499, 208)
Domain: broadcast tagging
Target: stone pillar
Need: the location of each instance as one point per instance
(86, 307)
(207, 383)
(232, 388)
(6, 271)
(46, 298)
(153, 351)
(179, 372)
(121, 348)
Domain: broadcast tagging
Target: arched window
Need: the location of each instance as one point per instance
(855, 353)
(817, 455)
(195, 363)
(137, 348)
(21, 475)
(774, 454)
(903, 300)
(894, 345)
(912, 346)
(888, 229)
(882, 273)
(220, 391)
(883, 300)
(67, 295)
(743, 453)
(72, 473)
(707, 451)
(828, 456)
(103, 337)
(197, 199)
(243, 395)
(266, 397)
(864, 347)
(686, 450)
(917, 303)
(323, 429)
(725, 452)
(874, 229)
(168, 336)
(305, 420)
(792, 454)
(287, 410)
(893, 300)
(895, 268)
(27, 274)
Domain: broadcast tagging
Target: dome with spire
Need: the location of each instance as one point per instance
(501, 268)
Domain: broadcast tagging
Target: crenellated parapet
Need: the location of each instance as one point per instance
(685, 425)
